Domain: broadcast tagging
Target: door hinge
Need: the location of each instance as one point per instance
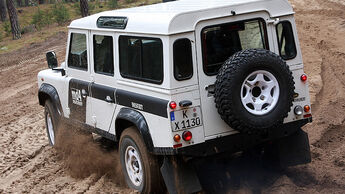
(273, 21)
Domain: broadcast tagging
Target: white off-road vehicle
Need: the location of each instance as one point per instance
(174, 81)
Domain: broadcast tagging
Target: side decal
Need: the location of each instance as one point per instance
(77, 93)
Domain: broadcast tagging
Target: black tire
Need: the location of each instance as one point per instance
(152, 181)
(228, 88)
(51, 112)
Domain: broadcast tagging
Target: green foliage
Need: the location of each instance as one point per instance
(61, 14)
(38, 19)
(42, 18)
(1, 36)
(7, 28)
(76, 7)
(129, 1)
(92, 7)
(112, 3)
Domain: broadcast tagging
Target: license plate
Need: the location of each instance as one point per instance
(185, 119)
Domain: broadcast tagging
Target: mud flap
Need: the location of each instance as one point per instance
(179, 176)
(290, 151)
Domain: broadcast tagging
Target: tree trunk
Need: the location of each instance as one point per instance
(12, 13)
(3, 10)
(26, 3)
(84, 8)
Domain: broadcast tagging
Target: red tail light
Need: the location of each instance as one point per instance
(172, 105)
(304, 77)
(187, 135)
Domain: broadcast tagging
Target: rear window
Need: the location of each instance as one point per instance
(219, 42)
(141, 58)
(183, 61)
(103, 54)
(286, 40)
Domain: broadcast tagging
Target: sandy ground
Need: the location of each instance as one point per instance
(29, 165)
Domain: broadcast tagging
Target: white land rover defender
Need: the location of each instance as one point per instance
(183, 79)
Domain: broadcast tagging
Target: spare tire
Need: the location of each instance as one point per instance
(254, 90)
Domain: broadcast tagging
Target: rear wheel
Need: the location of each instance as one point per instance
(52, 121)
(140, 168)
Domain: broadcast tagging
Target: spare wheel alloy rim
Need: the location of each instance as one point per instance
(260, 92)
(133, 166)
(50, 129)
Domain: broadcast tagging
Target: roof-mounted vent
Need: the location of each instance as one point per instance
(112, 22)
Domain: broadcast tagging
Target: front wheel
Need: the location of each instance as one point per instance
(140, 168)
(52, 121)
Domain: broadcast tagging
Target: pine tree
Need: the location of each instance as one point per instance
(12, 13)
(84, 8)
(3, 10)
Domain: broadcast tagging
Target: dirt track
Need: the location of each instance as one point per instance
(28, 164)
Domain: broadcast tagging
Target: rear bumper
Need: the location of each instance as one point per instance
(234, 143)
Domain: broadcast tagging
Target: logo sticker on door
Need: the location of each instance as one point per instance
(76, 97)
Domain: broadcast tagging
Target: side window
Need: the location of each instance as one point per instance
(141, 58)
(103, 54)
(77, 56)
(221, 41)
(286, 40)
(183, 61)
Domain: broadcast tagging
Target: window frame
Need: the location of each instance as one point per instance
(70, 48)
(293, 38)
(159, 82)
(191, 58)
(113, 53)
(266, 42)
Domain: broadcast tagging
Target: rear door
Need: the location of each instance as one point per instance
(103, 85)
(216, 41)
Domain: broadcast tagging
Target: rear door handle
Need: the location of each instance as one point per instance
(109, 99)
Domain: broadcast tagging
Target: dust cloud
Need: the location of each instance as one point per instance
(82, 155)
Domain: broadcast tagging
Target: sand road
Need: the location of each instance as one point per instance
(29, 165)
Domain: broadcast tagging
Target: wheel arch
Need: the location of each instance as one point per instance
(49, 92)
(129, 117)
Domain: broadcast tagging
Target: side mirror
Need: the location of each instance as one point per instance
(51, 59)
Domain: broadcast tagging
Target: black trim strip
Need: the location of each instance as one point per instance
(101, 92)
(125, 98)
(144, 103)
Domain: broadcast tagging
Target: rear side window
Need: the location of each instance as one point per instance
(219, 42)
(286, 40)
(183, 61)
(103, 54)
(141, 58)
(77, 56)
